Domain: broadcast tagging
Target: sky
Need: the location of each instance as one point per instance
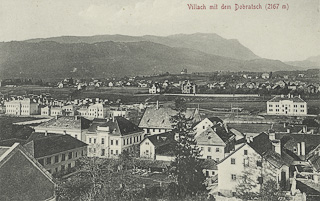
(281, 34)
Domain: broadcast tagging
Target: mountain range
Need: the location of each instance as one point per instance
(119, 55)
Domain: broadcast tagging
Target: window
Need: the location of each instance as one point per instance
(116, 152)
(233, 161)
(217, 150)
(270, 105)
(203, 127)
(260, 180)
(131, 140)
(56, 159)
(116, 142)
(128, 141)
(147, 143)
(70, 155)
(56, 170)
(102, 140)
(82, 153)
(233, 177)
(49, 161)
(245, 162)
(209, 149)
(245, 152)
(76, 136)
(209, 157)
(63, 157)
(76, 154)
(69, 166)
(111, 151)
(302, 106)
(259, 163)
(103, 152)
(89, 139)
(140, 137)
(111, 142)
(94, 140)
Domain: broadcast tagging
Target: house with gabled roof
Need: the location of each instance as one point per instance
(55, 152)
(158, 119)
(290, 106)
(22, 177)
(158, 146)
(206, 123)
(215, 142)
(259, 159)
(109, 138)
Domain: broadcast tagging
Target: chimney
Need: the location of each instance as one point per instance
(56, 116)
(277, 146)
(157, 106)
(46, 133)
(288, 130)
(251, 138)
(304, 129)
(303, 148)
(158, 137)
(284, 125)
(76, 117)
(272, 135)
(298, 149)
(248, 139)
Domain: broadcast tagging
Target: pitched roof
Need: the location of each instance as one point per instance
(161, 139)
(215, 119)
(67, 123)
(289, 141)
(295, 99)
(160, 118)
(53, 144)
(209, 137)
(261, 143)
(119, 126)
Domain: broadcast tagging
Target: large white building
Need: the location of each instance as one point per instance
(291, 106)
(22, 107)
(109, 138)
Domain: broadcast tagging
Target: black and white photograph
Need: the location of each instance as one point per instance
(159, 100)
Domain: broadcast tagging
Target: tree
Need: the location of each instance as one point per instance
(271, 192)
(186, 167)
(246, 186)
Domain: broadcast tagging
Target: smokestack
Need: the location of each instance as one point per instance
(157, 106)
(298, 149)
(46, 133)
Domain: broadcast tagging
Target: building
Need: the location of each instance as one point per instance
(157, 119)
(188, 87)
(96, 111)
(56, 111)
(74, 126)
(265, 75)
(109, 138)
(155, 89)
(158, 146)
(206, 123)
(259, 160)
(45, 111)
(22, 177)
(22, 107)
(215, 142)
(290, 106)
(56, 153)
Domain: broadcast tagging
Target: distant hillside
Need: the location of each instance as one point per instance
(311, 62)
(207, 43)
(105, 59)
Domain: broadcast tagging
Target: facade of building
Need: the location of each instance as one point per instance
(290, 106)
(56, 153)
(206, 123)
(157, 119)
(109, 138)
(157, 146)
(188, 87)
(22, 177)
(258, 160)
(155, 89)
(215, 142)
(21, 107)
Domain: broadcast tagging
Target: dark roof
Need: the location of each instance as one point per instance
(294, 99)
(261, 143)
(120, 126)
(215, 119)
(53, 144)
(289, 141)
(210, 164)
(223, 133)
(257, 128)
(161, 139)
(10, 142)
